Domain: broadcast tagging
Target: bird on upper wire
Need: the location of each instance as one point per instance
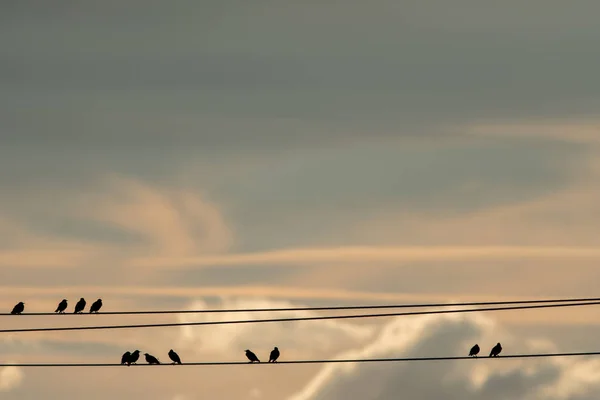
(79, 306)
(62, 306)
(18, 309)
(96, 306)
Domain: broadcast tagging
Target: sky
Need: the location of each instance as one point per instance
(233, 154)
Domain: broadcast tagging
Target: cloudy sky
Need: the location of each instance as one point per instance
(240, 154)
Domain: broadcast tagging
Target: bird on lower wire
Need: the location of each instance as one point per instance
(174, 357)
(134, 357)
(251, 356)
(79, 306)
(274, 355)
(18, 309)
(62, 306)
(496, 350)
(125, 359)
(150, 359)
(474, 351)
(96, 306)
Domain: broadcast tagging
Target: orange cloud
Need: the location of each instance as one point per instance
(368, 254)
(578, 131)
(176, 222)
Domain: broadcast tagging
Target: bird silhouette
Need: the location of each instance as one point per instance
(474, 351)
(18, 309)
(79, 306)
(62, 306)
(174, 357)
(274, 355)
(125, 359)
(96, 306)
(496, 350)
(251, 356)
(134, 357)
(150, 359)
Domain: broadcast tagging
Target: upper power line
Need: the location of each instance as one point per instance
(63, 306)
(312, 318)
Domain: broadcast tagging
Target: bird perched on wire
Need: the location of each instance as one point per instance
(474, 351)
(62, 306)
(251, 356)
(18, 309)
(79, 306)
(134, 357)
(274, 355)
(125, 359)
(496, 350)
(150, 359)
(174, 357)
(96, 306)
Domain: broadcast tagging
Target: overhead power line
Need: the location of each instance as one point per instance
(315, 318)
(333, 308)
(334, 361)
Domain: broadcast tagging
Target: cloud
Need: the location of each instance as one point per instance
(449, 335)
(10, 378)
(366, 254)
(295, 339)
(117, 218)
(42, 258)
(586, 131)
(24, 247)
(175, 222)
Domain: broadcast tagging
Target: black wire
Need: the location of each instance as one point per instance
(77, 328)
(363, 307)
(367, 360)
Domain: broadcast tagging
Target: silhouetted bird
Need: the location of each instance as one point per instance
(496, 350)
(79, 306)
(18, 309)
(96, 306)
(125, 359)
(251, 356)
(62, 306)
(174, 357)
(134, 357)
(474, 351)
(151, 359)
(274, 355)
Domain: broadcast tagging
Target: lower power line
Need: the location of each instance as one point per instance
(334, 361)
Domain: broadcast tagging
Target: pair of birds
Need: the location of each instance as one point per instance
(494, 353)
(131, 358)
(79, 307)
(272, 357)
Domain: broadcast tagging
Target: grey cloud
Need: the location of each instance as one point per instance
(314, 195)
(333, 188)
(67, 70)
(476, 379)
